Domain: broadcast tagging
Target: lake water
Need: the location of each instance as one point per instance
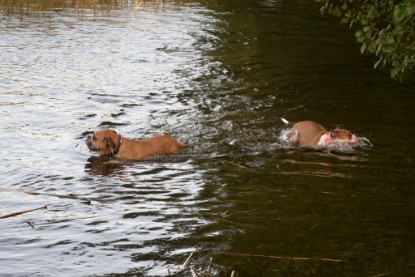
(219, 77)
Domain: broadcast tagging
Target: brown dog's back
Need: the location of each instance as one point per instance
(145, 149)
(163, 145)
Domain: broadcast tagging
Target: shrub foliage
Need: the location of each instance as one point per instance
(385, 28)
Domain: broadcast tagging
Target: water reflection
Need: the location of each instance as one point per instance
(102, 166)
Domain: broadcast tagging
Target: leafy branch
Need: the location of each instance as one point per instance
(386, 28)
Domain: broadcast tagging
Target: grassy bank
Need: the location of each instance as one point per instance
(25, 7)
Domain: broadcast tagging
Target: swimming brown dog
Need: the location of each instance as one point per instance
(309, 133)
(110, 143)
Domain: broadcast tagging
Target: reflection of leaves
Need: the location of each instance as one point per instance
(386, 30)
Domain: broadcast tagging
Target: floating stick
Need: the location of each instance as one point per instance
(210, 263)
(69, 196)
(285, 258)
(39, 193)
(238, 165)
(187, 262)
(22, 212)
(195, 272)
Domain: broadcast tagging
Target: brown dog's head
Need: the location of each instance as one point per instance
(343, 136)
(102, 141)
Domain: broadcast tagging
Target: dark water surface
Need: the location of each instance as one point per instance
(219, 77)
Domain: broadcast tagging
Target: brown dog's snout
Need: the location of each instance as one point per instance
(89, 143)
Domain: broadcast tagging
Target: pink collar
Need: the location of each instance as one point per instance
(329, 140)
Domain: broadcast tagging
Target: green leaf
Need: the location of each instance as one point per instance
(390, 41)
(388, 48)
(370, 11)
(398, 13)
(363, 48)
(394, 71)
(372, 48)
(410, 10)
(377, 63)
(378, 50)
(359, 36)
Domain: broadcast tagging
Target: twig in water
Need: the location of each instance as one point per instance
(39, 193)
(22, 212)
(195, 272)
(57, 221)
(238, 165)
(314, 226)
(381, 274)
(212, 157)
(285, 258)
(187, 262)
(30, 223)
(69, 196)
(245, 212)
(210, 263)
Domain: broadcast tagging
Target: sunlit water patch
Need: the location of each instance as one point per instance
(64, 76)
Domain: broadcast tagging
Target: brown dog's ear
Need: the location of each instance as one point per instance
(335, 133)
(109, 142)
